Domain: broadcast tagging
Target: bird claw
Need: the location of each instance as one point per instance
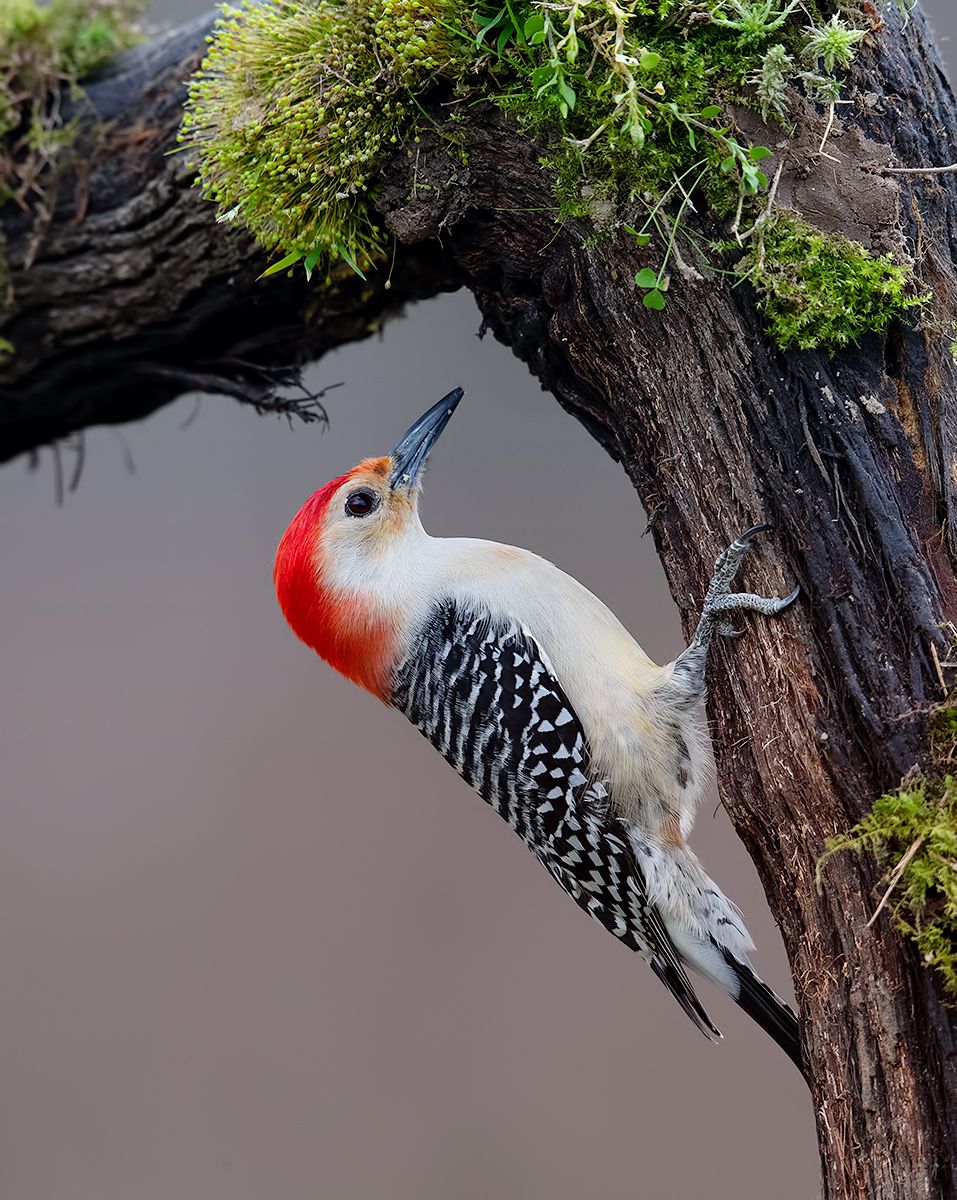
(720, 601)
(748, 534)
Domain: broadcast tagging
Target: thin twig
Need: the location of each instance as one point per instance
(951, 170)
(940, 674)
(80, 448)
(765, 212)
(827, 133)
(58, 472)
(737, 216)
(895, 878)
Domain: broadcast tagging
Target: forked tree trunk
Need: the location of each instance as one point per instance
(851, 458)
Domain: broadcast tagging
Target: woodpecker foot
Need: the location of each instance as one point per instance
(719, 603)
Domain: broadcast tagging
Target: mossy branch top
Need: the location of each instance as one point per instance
(297, 107)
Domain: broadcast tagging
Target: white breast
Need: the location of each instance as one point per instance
(633, 726)
(635, 730)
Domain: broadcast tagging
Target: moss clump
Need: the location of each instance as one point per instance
(416, 42)
(42, 50)
(297, 104)
(913, 832)
(818, 289)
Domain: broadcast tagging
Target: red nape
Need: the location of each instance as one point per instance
(341, 629)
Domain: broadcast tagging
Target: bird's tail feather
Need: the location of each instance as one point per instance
(766, 1009)
(678, 983)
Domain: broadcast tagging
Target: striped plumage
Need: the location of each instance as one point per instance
(484, 694)
(542, 701)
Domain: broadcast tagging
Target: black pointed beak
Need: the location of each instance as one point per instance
(409, 456)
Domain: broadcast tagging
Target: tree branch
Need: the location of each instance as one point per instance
(134, 294)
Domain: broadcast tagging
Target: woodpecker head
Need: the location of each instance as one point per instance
(335, 547)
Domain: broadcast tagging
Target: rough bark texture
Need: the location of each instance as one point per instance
(133, 294)
(851, 458)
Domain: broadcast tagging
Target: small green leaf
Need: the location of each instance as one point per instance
(284, 263)
(487, 25)
(710, 112)
(535, 28)
(514, 21)
(648, 60)
(641, 238)
(309, 263)
(728, 164)
(756, 153)
(654, 300)
(646, 278)
(566, 92)
(349, 259)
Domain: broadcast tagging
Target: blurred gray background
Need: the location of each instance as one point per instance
(257, 939)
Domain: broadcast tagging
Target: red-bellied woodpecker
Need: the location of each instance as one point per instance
(542, 701)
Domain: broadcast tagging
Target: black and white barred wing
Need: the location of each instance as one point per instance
(483, 692)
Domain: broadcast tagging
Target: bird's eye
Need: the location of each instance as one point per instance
(362, 502)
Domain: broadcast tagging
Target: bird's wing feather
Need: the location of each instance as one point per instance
(484, 693)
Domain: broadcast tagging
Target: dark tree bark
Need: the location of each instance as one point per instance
(851, 458)
(132, 294)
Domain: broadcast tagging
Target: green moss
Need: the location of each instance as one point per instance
(913, 833)
(636, 114)
(43, 49)
(818, 289)
(415, 41)
(298, 105)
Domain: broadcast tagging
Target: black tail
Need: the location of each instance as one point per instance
(678, 983)
(767, 1010)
